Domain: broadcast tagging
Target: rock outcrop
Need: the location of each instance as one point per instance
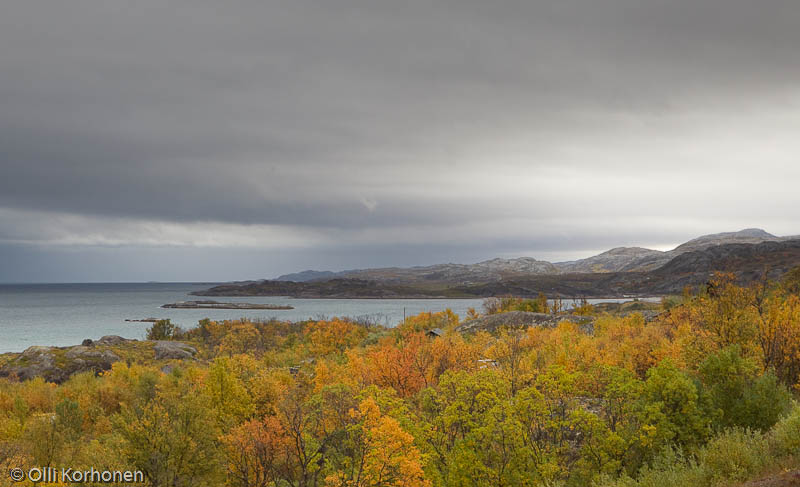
(165, 350)
(747, 262)
(523, 319)
(58, 364)
(113, 340)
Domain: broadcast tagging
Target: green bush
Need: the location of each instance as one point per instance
(669, 469)
(784, 438)
(161, 330)
(676, 406)
(669, 302)
(743, 397)
(735, 454)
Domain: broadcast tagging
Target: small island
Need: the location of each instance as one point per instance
(218, 305)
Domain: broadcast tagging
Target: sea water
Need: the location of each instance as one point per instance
(66, 314)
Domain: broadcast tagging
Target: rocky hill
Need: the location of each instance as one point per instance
(637, 259)
(620, 259)
(463, 273)
(746, 236)
(488, 270)
(747, 261)
(338, 288)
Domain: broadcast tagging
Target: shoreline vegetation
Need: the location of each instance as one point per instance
(698, 389)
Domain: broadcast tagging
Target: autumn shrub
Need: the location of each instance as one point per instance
(172, 439)
(209, 332)
(779, 337)
(333, 336)
(43, 440)
(241, 338)
(427, 320)
(38, 395)
(256, 452)
(582, 308)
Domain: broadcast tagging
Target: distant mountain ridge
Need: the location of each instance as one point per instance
(747, 262)
(493, 269)
(637, 259)
(620, 259)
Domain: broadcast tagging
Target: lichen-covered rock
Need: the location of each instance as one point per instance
(81, 352)
(523, 319)
(55, 364)
(113, 340)
(173, 350)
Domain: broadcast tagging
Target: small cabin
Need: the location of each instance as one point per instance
(485, 363)
(434, 332)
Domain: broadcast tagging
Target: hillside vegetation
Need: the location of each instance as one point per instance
(700, 393)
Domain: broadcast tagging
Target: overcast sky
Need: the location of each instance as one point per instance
(195, 140)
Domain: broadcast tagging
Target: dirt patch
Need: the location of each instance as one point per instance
(785, 479)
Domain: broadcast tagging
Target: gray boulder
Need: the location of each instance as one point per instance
(113, 340)
(165, 350)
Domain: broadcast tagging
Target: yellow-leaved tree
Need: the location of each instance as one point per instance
(387, 455)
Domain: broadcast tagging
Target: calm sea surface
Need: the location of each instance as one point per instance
(65, 314)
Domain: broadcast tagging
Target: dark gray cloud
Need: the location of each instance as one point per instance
(484, 128)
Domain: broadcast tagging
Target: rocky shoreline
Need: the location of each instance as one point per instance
(57, 364)
(218, 305)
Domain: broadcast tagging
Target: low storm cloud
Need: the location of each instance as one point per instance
(206, 141)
